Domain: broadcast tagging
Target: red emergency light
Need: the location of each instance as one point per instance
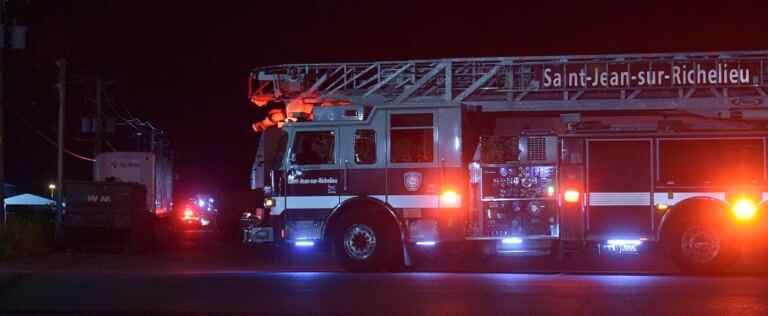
(571, 196)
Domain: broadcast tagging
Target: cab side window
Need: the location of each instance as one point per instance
(314, 148)
(412, 138)
(365, 147)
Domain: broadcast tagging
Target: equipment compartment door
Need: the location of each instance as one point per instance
(619, 174)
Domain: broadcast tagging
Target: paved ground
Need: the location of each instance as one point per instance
(199, 273)
(329, 293)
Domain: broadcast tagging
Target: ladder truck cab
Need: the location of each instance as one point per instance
(522, 155)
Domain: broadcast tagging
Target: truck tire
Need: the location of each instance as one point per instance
(366, 243)
(702, 247)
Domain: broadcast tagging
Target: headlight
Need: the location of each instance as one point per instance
(269, 202)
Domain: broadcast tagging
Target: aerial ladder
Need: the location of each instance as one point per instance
(519, 84)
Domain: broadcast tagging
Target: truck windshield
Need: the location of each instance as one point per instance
(313, 148)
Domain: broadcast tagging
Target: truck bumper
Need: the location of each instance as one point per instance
(255, 235)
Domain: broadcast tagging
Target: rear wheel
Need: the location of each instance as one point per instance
(366, 243)
(703, 247)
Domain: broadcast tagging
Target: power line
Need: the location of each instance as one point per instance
(112, 106)
(131, 120)
(140, 126)
(109, 145)
(50, 141)
(39, 112)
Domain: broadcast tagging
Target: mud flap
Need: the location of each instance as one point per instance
(407, 261)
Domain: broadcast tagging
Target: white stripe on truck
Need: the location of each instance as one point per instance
(643, 198)
(619, 198)
(663, 197)
(433, 201)
(324, 202)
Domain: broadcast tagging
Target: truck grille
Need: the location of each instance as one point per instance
(537, 148)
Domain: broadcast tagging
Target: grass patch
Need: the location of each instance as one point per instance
(26, 235)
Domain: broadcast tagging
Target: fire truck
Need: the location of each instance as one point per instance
(546, 155)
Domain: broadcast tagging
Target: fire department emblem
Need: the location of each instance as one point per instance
(412, 180)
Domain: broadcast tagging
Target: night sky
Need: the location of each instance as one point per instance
(183, 65)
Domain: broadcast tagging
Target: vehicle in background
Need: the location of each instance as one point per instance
(128, 201)
(105, 214)
(151, 170)
(199, 212)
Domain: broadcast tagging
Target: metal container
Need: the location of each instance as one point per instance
(112, 205)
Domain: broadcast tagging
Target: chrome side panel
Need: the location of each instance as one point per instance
(449, 142)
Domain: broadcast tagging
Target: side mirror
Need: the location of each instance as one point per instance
(294, 172)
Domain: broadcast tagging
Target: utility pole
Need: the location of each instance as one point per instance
(152, 140)
(2, 118)
(138, 141)
(62, 85)
(98, 121)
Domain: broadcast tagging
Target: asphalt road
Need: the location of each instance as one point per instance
(199, 273)
(331, 293)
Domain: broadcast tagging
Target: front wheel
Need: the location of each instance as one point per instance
(702, 247)
(366, 243)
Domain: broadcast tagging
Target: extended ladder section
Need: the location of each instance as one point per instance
(719, 81)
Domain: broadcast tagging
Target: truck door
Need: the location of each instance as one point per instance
(313, 180)
(363, 164)
(619, 175)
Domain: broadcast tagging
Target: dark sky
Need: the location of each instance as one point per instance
(183, 64)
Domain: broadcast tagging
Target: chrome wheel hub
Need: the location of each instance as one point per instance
(359, 241)
(700, 245)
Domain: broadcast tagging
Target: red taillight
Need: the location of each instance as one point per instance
(188, 213)
(260, 213)
(571, 196)
(450, 198)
